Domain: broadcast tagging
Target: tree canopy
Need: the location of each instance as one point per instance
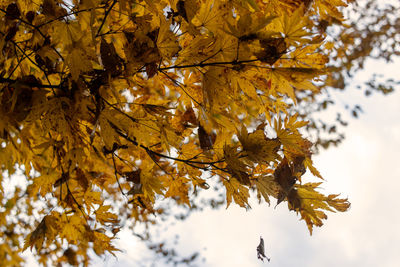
(110, 108)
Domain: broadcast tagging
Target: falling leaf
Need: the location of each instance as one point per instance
(261, 250)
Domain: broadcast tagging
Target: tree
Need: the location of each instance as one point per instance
(110, 107)
(370, 32)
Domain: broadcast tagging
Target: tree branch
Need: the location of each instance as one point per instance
(34, 27)
(202, 64)
(105, 17)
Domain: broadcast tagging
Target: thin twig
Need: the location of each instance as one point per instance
(105, 17)
(208, 64)
(180, 86)
(116, 174)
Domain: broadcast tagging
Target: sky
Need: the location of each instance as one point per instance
(365, 168)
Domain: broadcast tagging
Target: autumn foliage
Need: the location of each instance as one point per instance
(134, 102)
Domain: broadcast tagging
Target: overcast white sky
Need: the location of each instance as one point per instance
(365, 168)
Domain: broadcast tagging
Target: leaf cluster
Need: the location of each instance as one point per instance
(110, 107)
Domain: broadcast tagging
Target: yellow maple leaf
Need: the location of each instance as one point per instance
(207, 15)
(72, 228)
(216, 88)
(36, 238)
(309, 57)
(237, 192)
(107, 131)
(78, 63)
(258, 146)
(292, 141)
(46, 230)
(240, 83)
(178, 189)
(286, 80)
(309, 164)
(312, 204)
(102, 242)
(70, 233)
(329, 8)
(44, 183)
(104, 216)
(266, 187)
(293, 26)
(151, 184)
(66, 33)
(167, 42)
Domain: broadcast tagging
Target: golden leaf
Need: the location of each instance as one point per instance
(292, 141)
(293, 26)
(313, 203)
(266, 187)
(178, 189)
(151, 184)
(104, 216)
(237, 192)
(107, 131)
(167, 42)
(258, 146)
(78, 63)
(44, 183)
(36, 238)
(235, 165)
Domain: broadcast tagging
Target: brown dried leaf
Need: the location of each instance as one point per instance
(206, 140)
